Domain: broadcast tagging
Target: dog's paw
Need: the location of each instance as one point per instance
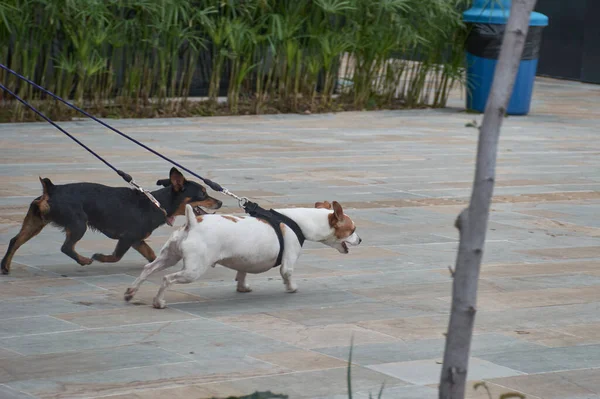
(159, 303)
(83, 261)
(5, 271)
(291, 288)
(98, 257)
(244, 289)
(129, 293)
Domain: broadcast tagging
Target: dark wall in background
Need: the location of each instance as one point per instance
(591, 46)
(571, 41)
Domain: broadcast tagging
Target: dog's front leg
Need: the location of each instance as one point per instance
(242, 286)
(121, 249)
(193, 267)
(286, 274)
(286, 270)
(168, 257)
(291, 253)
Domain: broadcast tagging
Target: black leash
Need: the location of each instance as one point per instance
(125, 176)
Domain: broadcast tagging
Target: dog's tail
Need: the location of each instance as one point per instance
(190, 217)
(47, 187)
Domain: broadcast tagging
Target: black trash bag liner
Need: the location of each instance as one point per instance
(485, 41)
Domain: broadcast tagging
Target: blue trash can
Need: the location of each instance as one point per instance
(486, 21)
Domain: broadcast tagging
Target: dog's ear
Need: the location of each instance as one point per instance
(163, 182)
(177, 180)
(338, 212)
(324, 205)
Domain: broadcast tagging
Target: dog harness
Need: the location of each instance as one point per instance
(275, 219)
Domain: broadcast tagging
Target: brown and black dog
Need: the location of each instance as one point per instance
(120, 213)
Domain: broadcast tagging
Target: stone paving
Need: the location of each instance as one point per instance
(403, 176)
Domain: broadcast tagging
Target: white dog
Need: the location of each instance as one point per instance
(247, 244)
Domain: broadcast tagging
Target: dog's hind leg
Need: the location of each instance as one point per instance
(242, 286)
(193, 267)
(32, 225)
(165, 260)
(74, 233)
(144, 249)
(121, 249)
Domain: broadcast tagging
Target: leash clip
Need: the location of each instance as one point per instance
(136, 186)
(147, 194)
(242, 201)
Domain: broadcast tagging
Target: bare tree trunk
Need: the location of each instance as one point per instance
(472, 222)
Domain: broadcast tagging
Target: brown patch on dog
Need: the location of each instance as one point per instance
(144, 249)
(199, 219)
(232, 218)
(43, 205)
(42, 202)
(263, 220)
(345, 228)
(82, 260)
(342, 224)
(180, 211)
(282, 228)
(338, 211)
(209, 203)
(104, 258)
(323, 205)
(32, 225)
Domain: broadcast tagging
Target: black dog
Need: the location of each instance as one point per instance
(120, 213)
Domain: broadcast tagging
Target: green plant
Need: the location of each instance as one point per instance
(349, 375)
(140, 57)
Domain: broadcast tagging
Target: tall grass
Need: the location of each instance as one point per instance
(143, 57)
